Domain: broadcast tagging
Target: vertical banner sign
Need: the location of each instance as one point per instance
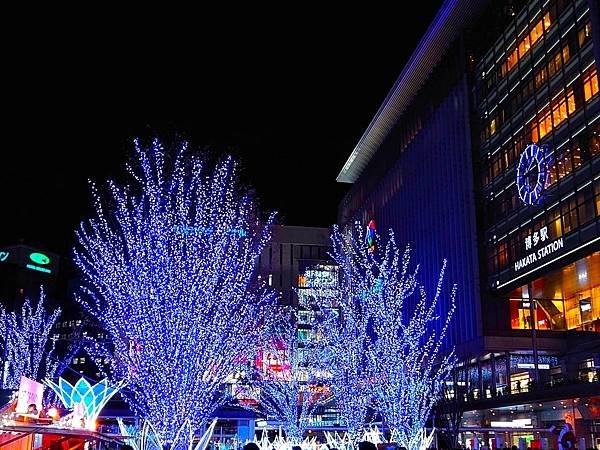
(30, 391)
(370, 236)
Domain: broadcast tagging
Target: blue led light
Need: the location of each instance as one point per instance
(170, 271)
(28, 348)
(532, 174)
(384, 348)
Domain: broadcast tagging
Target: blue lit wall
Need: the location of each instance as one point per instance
(427, 198)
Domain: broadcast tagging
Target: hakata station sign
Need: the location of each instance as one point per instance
(539, 249)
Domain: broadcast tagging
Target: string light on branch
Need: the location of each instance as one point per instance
(169, 264)
(27, 344)
(384, 347)
(287, 385)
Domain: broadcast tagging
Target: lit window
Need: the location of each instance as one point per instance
(590, 84)
(556, 113)
(565, 53)
(548, 121)
(520, 314)
(524, 46)
(540, 78)
(545, 125)
(552, 116)
(563, 111)
(547, 21)
(571, 102)
(512, 59)
(584, 34)
(493, 126)
(528, 41)
(301, 281)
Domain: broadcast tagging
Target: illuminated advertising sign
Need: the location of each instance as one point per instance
(30, 393)
(532, 366)
(371, 235)
(30, 258)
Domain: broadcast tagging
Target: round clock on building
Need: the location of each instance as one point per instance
(532, 174)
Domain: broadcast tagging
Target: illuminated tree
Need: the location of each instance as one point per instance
(385, 347)
(287, 385)
(409, 369)
(347, 340)
(27, 348)
(169, 265)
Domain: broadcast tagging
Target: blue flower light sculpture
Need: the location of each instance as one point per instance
(93, 397)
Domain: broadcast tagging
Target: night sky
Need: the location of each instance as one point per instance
(290, 101)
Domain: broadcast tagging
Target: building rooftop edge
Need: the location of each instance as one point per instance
(445, 27)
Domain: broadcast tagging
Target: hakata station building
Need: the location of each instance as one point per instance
(486, 151)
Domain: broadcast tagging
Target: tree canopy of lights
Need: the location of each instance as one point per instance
(169, 267)
(26, 345)
(287, 384)
(384, 347)
(408, 367)
(346, 337)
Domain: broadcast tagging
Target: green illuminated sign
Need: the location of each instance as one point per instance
(39, 258)
(39, 269)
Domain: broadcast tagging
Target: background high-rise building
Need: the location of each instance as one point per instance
(292, 249)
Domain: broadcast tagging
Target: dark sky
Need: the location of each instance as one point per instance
(290, 100)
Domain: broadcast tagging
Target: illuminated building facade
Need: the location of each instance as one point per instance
(291, 250)
(292, 257)
(325, 275)
(487, 152)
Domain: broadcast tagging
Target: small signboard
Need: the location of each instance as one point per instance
(30, 391)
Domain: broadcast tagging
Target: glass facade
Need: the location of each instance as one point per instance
(566, 299)
(539, 85)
